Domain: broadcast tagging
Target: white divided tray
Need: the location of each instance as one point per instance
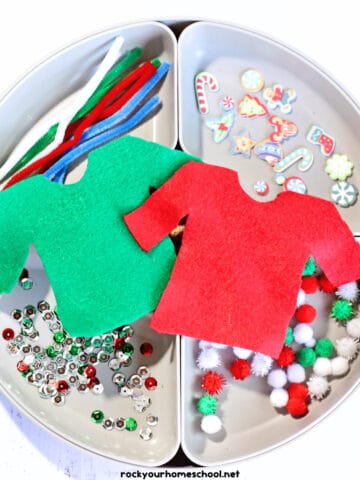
(250, 423)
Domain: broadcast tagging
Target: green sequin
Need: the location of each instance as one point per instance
(51, 352)
(127, 348)
(131, 424)
(75, 349)
(97, 416)
(59, 337)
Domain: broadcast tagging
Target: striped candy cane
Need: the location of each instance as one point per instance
(202, 79)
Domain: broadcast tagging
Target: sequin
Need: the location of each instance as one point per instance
(90, 371)
(119, 379)
(62, 387)
(146, 349)
(29, 311)
(152, 420)
(108, 424)
(150, 383)
(97, 416)
(59, 337)
(130, 424)
(8, 334)
(98, 389)
(145, 433)
(114, 364)
(120, 423)
(127, 348)
(22, 366)
(135, 381)
(58, 400)
(143, 371)
(43, 305)
(16, 314)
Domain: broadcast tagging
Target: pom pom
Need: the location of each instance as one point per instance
(301, 298)
(297, 407)
(348, 291)
(339, 366)
(207, 405)
(286, 357)
(325, 284)
(342, 310)
(310, 343)
(306, 357)
(310, 267)
(242, 353)
(211, 424)
(347, 347)
(303, 333)
(324, 347)
(213, 383)
(305, 314)
(204, 344)
(240, 369)
(353, 327)
(289, 336)
(295, 373)
(208, 358)
(309, 284)
(322, 367)
(298, 390)
(261, 364)
(279, 397)
(318, 387)
(277, 378)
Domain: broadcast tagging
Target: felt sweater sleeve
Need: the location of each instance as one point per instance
(334, 246)
(162, 211)
(15, 235)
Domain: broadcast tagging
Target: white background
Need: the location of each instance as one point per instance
(326, 31)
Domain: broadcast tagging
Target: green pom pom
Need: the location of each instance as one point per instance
(289, 336)
(306, 357)
(324, 347)
(207, 405)
(310, 267)
(342, 310)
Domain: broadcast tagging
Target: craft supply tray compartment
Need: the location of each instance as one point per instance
(250, 424)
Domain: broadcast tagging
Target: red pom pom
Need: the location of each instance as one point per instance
(297, 407)
(305, 314)
(240, 369)
(309, 284)
(286, 357)
(212, 382)
(298, 390)
(325, 284)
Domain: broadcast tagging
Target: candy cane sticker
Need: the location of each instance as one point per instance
(202, 79)
(302, 156)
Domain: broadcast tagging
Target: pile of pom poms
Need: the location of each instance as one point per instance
(303, 371)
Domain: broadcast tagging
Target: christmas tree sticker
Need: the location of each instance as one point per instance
(251, 107)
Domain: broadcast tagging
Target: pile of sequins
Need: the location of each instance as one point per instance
(303, 371)
(70, 363)
(271, 149)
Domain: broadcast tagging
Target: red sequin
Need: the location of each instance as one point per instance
(118, 343)
(92, 382)
(146, 349)
(90, 371)
(62, 386)
(22, 366)
(8, 334)
(150, 383)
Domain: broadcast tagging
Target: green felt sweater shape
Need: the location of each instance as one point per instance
(101, 278)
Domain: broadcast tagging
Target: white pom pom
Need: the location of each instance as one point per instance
(348, 291)
(301, 298)
(204, 344)
(208, 358)
(211, 424)
(311, 343)
(339, 366)
(296, 373)
(242, 353)
(261, 364)
(277, 378)
(322, 367)
(347, 347)
(318, 387)
(303, 333)
(279, 397)
(353, 327)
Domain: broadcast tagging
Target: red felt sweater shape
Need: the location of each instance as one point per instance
(238, 272)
